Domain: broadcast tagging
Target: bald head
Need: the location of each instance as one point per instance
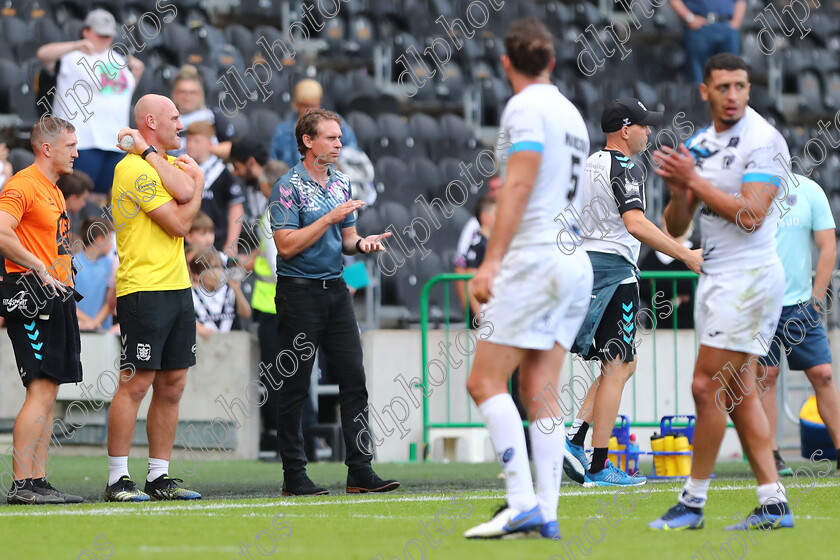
(150, 105)
(158, 121)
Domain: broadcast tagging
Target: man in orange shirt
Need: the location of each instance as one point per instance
(36, 301)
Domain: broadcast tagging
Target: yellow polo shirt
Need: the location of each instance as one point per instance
(150, 258)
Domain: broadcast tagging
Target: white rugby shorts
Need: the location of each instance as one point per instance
(540, 298)
(734, 307)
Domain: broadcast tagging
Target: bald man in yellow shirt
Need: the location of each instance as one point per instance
(154, 200)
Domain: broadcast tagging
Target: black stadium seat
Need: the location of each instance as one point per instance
(263, 123)
(20, 159)
(369, 222)
(426, 173)
(366, 129)
(425, 130)
(391, 172)
(456, 137)
(16, 31)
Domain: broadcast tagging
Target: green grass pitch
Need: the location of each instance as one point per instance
(244, 516)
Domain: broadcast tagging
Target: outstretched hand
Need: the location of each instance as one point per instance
(373, 243)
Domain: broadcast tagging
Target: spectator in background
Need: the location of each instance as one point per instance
(94, 278)
(76, 189)
(711, 27)
(264, 266)
(222, 200)
(682, 301)
(6, 171)
(218, 299)
(248, 158)
(88, 60)
(201, 232)
(188, 95)
(485, 213)
(468, 236)
(307, 96)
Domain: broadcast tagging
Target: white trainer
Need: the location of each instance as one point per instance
(507, 521)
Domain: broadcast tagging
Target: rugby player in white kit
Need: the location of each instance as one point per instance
(536, 295)
(732, 170)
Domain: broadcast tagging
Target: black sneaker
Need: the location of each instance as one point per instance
(124, 490)
(43, 487)
(781, 467)
(302, 486)
(23, 492)
(165, 487)
(363, 482)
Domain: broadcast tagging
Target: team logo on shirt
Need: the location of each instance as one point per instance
(631, 187)
(791, 200)
(701, 152)
(144, 352)
(727, 161)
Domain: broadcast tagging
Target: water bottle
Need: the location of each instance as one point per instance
(632, 455)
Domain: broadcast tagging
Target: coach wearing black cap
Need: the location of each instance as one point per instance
(615, 184)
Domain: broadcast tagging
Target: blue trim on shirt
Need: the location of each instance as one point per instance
(757, 178)
(528, 145)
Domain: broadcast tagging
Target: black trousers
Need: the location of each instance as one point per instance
(312, 317)
(270, 348)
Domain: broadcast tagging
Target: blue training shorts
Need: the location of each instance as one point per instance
(801, 332)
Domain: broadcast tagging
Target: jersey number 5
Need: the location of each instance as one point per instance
(574, 178)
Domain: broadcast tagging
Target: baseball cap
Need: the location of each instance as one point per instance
(627, 111)
(101, 22)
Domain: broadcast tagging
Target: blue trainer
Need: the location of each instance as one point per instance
(678, 518)
(611, 475)
(574, 462)
(761, 519)
(550, 530)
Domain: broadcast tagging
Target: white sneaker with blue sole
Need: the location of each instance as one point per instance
(507, 521)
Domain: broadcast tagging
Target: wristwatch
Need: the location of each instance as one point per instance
(359, 245)
(148, 151)
(689, 18)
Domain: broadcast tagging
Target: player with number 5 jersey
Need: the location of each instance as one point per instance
(536, 294)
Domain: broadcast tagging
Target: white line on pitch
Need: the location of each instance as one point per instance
(200, 507)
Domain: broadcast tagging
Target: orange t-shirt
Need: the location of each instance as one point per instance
(43, 225)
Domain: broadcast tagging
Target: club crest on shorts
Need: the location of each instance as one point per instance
(144, 352)
(506, 456)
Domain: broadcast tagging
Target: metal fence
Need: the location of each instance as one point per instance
(666, 355)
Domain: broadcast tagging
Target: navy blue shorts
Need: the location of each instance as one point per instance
(805, 344)
(99, 164)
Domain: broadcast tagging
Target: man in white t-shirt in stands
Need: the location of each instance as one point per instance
(90, 72)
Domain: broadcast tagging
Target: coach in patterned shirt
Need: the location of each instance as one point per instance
(312, 217)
